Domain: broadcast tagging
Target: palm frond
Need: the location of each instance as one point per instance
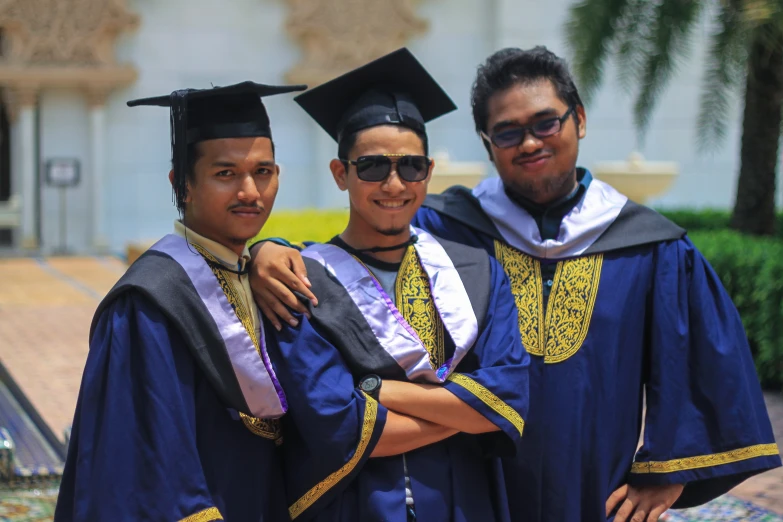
(633, 29)
(667, 44)
(726, 69)
(759, 12)
(591, 30)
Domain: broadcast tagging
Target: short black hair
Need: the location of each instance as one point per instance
(180, 187)
(511, 66)
(348, 141)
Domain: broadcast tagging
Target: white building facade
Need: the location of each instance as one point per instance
(151, 47)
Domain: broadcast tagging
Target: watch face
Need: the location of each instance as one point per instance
(370, 383)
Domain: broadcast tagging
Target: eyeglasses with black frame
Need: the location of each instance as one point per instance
(541, 129)
(377, 168)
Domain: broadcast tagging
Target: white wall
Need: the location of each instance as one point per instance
(192, 43)
(64, 132)
(457, 41)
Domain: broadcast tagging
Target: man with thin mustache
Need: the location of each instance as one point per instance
(177, 417)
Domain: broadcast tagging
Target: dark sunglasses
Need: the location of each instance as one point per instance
(541, 129)
(377, 168)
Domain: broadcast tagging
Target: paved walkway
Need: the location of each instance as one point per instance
(766, 490)
(46, 306)
(45, 311)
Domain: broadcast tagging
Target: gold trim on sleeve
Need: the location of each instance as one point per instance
(317, 491)
(705, 461)
(490, 399)
(208, 515)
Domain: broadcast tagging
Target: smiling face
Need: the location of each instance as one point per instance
(232, 190)
(381, 212)
(541, 170)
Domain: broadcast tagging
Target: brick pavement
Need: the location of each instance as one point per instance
(45, 311)
(767, 490)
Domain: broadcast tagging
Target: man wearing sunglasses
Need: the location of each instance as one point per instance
(409, 377)
(614, 302)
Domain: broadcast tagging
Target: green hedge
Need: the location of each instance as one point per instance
(751, 269)
(708, 219)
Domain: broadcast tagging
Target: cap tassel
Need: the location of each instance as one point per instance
(179, 147)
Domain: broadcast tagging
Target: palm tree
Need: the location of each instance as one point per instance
(647, 38)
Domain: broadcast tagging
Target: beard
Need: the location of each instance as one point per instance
(546, 189)
(391, 231)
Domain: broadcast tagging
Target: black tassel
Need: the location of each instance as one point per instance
(179, 145)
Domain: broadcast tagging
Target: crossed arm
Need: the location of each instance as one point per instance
(422, 414)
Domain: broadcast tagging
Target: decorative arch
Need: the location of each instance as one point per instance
(62, 43)
(336, 36)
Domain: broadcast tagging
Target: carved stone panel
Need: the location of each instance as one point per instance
(336, 36)
(63, 32)
(59, 43)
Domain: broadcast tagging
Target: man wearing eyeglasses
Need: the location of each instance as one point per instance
(614, 303)
(409, 377)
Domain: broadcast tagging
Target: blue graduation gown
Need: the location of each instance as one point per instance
(152, 441)
(660, 322)
(332, 427)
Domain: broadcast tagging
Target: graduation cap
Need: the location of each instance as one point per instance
(395, 89)
(234, 111)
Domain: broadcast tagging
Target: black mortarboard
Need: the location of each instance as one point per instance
(392, 90)
(234, 111)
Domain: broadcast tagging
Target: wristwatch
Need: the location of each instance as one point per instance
(371, 385)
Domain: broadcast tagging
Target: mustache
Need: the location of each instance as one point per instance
(240, 206)
(525, 156)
